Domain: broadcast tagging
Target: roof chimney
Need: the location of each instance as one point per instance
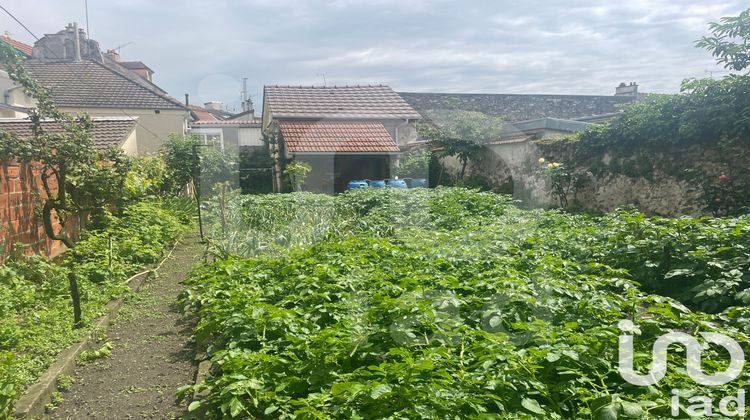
(214, 106)
(627, 89)
(77, 42)
(112, 55)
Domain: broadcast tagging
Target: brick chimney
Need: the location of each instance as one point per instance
(627, 89)
(112, 55)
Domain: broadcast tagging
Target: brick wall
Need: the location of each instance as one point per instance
(21, 193)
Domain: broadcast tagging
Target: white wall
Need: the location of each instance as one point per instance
(152, 129)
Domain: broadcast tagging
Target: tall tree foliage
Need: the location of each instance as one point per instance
(87, 180)
(461, 134)
(729, 41)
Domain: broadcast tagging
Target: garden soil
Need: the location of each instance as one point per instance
(152, 352)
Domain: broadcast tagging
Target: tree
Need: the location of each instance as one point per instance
(187, 160)
(86, 180)
(461, 134)
(296, 173)
(730, 41)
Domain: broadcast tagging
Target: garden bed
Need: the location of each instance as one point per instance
(448, 302)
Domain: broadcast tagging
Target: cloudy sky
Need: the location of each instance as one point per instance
(534, 46)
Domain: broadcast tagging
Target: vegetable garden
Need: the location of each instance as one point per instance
(451, 303)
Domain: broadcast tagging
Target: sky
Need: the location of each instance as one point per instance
(205, 48)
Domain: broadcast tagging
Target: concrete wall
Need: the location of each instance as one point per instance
(152, 129)
(130, 145)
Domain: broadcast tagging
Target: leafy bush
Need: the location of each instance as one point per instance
(414, 165)
(450, 303)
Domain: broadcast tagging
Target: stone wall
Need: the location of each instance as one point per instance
(667, 182)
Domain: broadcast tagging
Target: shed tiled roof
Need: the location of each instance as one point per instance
(379, 102)
(106, 132)
(336, 137)
(519, 107)
(18, 45)
(89, 83)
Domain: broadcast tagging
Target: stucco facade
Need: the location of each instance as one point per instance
(153, 128)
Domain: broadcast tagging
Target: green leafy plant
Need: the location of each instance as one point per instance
(296, 172)
(460, 134)
(729, 41)
(452, 303)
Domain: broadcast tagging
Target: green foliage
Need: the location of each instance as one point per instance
(87, 180)
(296, 173)
(146, 177)
(461, 134)
(450, 303)
(415, 164)
(35, 318)
(729, 41)
(88, 356)
(188, 161)
(256, 175)
(475, 182)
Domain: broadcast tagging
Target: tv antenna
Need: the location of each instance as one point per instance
(323, 75)
(119, 47)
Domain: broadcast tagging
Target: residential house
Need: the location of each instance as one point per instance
(82, 79)
(15, 102)
(23, 49)
(343, 132)
(225, 130)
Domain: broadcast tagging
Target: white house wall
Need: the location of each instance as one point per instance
(152, 129)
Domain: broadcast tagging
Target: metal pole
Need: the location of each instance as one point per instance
(76, 298)
(196, 185)
(109, 245)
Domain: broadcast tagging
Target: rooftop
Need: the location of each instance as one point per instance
(336, 137)
(520, 107)
(363, 102)
(24, 49)
(89, 83)
(106, 132)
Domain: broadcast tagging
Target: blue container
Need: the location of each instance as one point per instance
(377, 184)
(396, 183)
(353, 185)
(419, 183)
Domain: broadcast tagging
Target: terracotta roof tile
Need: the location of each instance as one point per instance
(18, 45)
(337, 102)
(107, 131)
(336, 137)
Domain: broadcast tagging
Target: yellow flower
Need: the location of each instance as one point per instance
(550, 165)
(555, 165)
(541, 160)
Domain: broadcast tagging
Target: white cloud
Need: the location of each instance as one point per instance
(535, 46)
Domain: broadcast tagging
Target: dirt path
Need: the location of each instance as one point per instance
(151, 353)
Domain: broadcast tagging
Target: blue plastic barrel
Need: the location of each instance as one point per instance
(419, 183)
(377, 184)
(396, 183)
(355, 184)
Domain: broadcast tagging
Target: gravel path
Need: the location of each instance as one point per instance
(152, 354)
